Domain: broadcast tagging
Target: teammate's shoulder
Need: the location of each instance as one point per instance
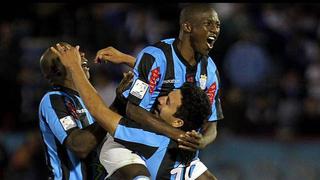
(164, 43)
(52, 97)
(155, 52)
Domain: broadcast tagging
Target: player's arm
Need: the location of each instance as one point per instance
(115, 56)
(83, 141)
(63, 125)
(193, 140)
(71, 59)
(199, 140)
(149, 74)
(119, 103)
(148, 120)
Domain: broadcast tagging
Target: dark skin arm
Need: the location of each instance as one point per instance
(113, 55)
(119, 101)
(83, 141)
(193, 140)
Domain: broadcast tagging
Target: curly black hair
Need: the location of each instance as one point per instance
(195, 107)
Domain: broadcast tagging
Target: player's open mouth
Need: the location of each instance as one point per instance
(210, 41)
(84, 65)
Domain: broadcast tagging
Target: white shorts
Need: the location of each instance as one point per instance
(198, 168)
(113, 156)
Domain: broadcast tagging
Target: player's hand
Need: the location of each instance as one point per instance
(68, 55)
(110, 54)
(126, 80)
(191, 141)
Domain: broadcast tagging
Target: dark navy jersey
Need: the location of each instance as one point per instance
(60, 112)
(159, 152)
(160, 68)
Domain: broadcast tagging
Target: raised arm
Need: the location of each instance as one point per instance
(115, 56)
(71, 59)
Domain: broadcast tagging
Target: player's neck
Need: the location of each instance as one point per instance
(186, 51)
(69, 84)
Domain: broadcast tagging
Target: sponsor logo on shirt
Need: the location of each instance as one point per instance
(155, 75)
(170, 81)
(80, 111)
(72, 109)
(212, 91)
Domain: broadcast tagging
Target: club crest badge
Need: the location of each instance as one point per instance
(203, 81)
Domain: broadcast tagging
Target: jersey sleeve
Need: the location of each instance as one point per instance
(148, 77)
(213, 92)
(57, 116)
(133, 136)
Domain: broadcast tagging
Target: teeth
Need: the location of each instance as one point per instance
(211, 38)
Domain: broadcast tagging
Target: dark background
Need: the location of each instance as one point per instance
(268, 56)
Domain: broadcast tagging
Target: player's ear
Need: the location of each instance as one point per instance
(177, 122)
(186, 27)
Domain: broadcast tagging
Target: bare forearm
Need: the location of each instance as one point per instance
(104, 116)
(130, 60)
(148, 120)
(209, 132)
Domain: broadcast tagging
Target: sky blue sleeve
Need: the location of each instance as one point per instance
(213, 88)
(148, 77)
(59, 126)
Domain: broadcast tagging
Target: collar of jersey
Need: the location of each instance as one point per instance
(184, 61)
(64, 89)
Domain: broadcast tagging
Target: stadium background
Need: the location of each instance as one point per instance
(268, 56)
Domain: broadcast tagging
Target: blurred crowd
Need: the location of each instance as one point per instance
(268, 56)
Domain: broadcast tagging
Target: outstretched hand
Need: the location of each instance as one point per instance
(191, 141)
(68, 55)
(110, 54)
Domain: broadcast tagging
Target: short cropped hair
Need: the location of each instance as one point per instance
(188, 13)
(51, 66)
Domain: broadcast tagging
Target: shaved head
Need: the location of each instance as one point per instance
(190, 12)
(51, 67)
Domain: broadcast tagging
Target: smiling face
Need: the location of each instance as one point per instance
(54, 71)
(199, 27)
(84, 61)
(205, 29)
(84, 64)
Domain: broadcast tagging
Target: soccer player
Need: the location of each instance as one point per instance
(68, 130)
(186, 108)
(165, 66)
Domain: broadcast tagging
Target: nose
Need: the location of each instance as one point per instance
(215, 29)
(82, 54)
